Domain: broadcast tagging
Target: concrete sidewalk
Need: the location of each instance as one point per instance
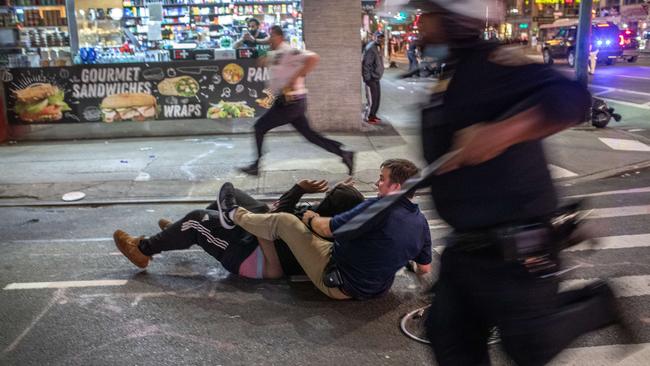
(192, 169)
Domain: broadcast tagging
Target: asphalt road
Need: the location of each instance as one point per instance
(186, 309)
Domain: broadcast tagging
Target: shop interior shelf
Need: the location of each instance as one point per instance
(34, 6)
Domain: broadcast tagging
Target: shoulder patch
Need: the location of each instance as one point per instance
(510, 56)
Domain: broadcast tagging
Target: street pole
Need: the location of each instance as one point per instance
(582, 47)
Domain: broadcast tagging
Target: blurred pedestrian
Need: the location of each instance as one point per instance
(492, 107)
(372, 71)
(413, 54)
(288, 68)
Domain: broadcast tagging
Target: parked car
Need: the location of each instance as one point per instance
(630, 43)
(604, 37)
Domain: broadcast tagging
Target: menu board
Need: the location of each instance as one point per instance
(111, 93)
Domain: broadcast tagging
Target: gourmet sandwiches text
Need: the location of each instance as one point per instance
(40, 103)
(128, 106)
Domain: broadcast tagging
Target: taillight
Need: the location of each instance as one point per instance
(621, 40)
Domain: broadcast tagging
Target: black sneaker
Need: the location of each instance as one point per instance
(348, 160)
(226, 204)
(252, 169)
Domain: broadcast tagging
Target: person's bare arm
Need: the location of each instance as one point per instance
(317, 224)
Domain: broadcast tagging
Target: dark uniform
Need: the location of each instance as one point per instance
(477, 287)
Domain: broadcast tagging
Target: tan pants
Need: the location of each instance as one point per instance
(312, 252)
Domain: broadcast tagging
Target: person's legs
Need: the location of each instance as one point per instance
(375, 94)
(301, 124)
(312, 252)
(274, 117)
(457, 335)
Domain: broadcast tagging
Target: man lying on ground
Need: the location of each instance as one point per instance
(361, 268)
(238, 251)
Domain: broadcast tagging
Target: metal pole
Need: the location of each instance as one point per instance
(582, 47)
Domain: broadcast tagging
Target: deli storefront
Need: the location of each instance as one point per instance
(109, 61)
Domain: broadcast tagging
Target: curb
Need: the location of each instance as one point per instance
(270, 198)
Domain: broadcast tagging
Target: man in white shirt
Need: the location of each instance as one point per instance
(288, 68)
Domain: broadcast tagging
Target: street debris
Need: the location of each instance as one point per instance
(73, 196)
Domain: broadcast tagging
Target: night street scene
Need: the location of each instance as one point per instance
(339, 182)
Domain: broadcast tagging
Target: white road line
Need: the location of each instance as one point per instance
(559, 172)
(63, 284)
(609, 193)
(600, 213)
(633, 77)
(624, 145)
(626, 286)
(614, 242)
(608, 89)
(616, 354)
(629, 104)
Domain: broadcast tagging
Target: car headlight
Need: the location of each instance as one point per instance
(608, 42)
(599, 42)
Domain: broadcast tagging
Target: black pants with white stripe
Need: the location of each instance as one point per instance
(202, 227)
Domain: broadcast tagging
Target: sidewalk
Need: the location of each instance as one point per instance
(192, 169)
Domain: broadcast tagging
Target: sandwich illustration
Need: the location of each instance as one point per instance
(182, 86)
(40, 103)
(128, 106)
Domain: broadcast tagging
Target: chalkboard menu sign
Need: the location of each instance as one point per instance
(215, 89)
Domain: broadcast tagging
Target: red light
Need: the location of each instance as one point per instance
(628, 32)
(621, 40)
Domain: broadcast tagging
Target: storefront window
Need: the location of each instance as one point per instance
(37, 33)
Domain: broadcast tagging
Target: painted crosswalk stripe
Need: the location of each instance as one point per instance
(63, 284)
(615, 354)
(559, 172)
(600, 213)
(626, 286)
(614, 242)
(611, 193)
(624, 145)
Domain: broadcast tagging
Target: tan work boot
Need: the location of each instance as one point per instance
(128, 245)
(163, 223)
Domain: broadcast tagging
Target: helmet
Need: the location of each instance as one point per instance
(492, 10)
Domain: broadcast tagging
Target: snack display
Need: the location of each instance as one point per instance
(182, 86)
(129, 106)
(40, 103)
(233, 73)
(231, 110)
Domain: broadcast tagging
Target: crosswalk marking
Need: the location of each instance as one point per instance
(614, 242)
(611, 193)
(559, 172)
(600, 213)
(616, 354)
(626, 286)
(63, 284)
(624, 145)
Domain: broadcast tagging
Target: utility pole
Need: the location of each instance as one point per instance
(582, 47)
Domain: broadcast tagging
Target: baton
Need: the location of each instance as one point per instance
(355, 226)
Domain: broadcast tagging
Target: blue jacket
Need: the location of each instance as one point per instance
(369, 262)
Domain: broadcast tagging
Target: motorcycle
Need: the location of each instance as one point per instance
(601, 113)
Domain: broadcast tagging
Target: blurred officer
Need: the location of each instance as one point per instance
(493, 107)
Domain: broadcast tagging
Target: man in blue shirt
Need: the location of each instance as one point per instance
(360, 268)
